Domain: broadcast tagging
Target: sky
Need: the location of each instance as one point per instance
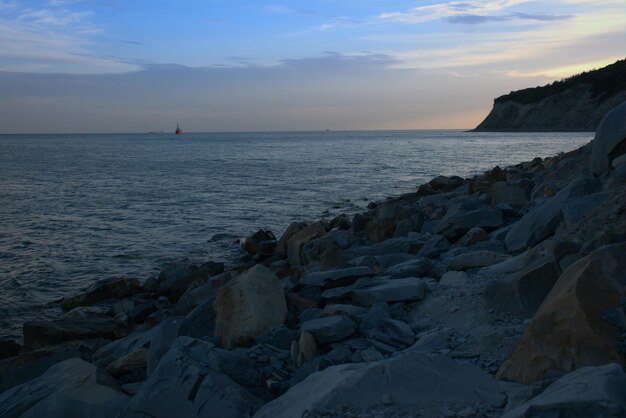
(218, 65)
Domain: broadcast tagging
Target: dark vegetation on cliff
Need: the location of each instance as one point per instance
(604, 83)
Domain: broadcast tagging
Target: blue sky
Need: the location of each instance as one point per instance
(113, 65)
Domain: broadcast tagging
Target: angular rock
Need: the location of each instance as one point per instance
(334, 278)
(307, 345)
(41, 333)
(455, 226)
(297, 241)
(454, 279)
(610, 133)
(330, 329)
(131, 368)
(480, 258)
(200, 322)
(417, 267)
(9, 348)
(580, 322)
(589, 392)
(379, 231)
(112, 288)
(523, 285)
(190, 381)
(175, 278)
(249, 306)
(473, 236)
(292, 229)
(514, 194)
(71, 388)
(575, 209)
(416, 381)
(397, 290)
(541, 221)
(353, 312)
(252, 244)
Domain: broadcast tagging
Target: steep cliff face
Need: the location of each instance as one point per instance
(574, 104)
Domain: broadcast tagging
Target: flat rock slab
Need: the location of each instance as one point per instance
(334, 278)
(480, 258)
(413, 380)
(71, 388)
(330, 328)
(417, 267)
(396, 290)
(112, 288)
(584, 393)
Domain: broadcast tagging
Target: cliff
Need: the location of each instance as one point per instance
(577, 103)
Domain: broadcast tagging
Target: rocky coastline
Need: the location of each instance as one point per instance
(503, 294)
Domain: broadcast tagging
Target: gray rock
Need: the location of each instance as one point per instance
(353, 312)
(514, 194)
(162, 339)
(71, 388)
(200, 322)
(414, 380)
(454, 279)
(435, 245)
(431, 342)
(335, 278)
(456, 225)
(589, 392)
(112, 288)
(575, 209)
(397, 290)
(416, 267)
(370, 355)
(541, 221)
(190, 381)
(175, 278)
(480, 258)
(330, 329)
(610, 133)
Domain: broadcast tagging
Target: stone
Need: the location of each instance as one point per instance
(542, 220)
(307, 345)
(112, 288)
(292, 229)
(589, 392)
(480, 258)
(398, 290)
(248, 306)
(205, 290)
(431, 342)
(328, 248)
(131, 368)
(416, 381)
(610, 133)
(444, 183)
(474, 235)
(253, 243)
(334, 278)
(457, 224)
(353, 312)
(521, 287)
(514, 194)
(162, 339)
(38, 334)
(434, 246)
(191, 381)
(330, 329)
(416, 267)
(175, 278)
(575, 209)
(9, 348)
(379, 231)
(298, 239)
(454, 279)
(371, 354)
(392, 332)
(579, 323)
(200, 322)
(71, 388)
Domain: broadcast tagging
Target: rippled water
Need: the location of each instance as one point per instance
(76, 208)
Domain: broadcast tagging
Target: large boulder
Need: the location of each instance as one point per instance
(72, 388)
(610, 134)
(249, 306)
(454, 225)
(292, 229)
(175, 278)
(579, 324)
(541, 221)
(112, 288)
(334, 278)
(38, 334)
(407, 289)
(409, 382)
(589, 392)
(191, 381)
(298, 239)
(330, 328)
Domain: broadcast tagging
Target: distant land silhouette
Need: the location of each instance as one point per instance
(576, 103)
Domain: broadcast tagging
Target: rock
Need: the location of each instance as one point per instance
(580, 321)
(474, 235)
(253, 243)
(455, 225)
(9, 348)
(589, 392)
(71, 388)
(444, 183)
(130, 368)
(41, 333)
(392, 332)
(434, 246)
(575, 209)
(248, 306)
(431, 342)
(175, 278)
(205, 290)
(514, 194)
(191, 381)
(522, 284)
(378, 231)
(480, 258)
(200, 322)
(297, 241)
(307, 345)
(292, 229)
(397, 290)
(417, 267)
(353, 312)
(454, 279)
(541, 221)
(330, 329)
(416, 381)
(112, 288)
(334, 278)
(370, 355)
(610, 134)
(162, 339)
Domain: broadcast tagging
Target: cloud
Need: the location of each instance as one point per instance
(470, 19)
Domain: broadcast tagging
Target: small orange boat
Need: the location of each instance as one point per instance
(178, 131)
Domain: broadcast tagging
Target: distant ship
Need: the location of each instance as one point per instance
(178, 130)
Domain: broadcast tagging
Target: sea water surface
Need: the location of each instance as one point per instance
(78, 208)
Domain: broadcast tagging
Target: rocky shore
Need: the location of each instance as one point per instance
(498, 295)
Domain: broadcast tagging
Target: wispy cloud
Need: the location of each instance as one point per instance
(472, 19)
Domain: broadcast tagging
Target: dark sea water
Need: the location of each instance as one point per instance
(77, 208)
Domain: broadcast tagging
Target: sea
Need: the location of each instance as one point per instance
(82, 207)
